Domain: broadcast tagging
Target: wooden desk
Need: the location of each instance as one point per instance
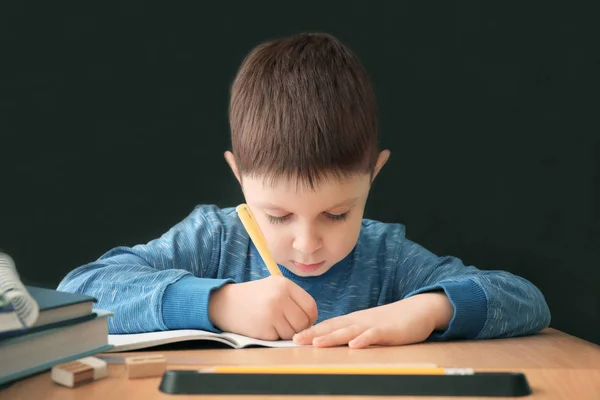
(558, 366)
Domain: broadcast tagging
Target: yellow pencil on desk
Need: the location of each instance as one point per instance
(336, 370)
(258, 238)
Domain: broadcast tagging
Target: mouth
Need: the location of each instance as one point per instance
(308, 267)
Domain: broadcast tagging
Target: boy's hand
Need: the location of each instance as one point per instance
(269, 309)
(407, 321)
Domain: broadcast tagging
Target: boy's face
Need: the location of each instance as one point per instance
(308, 231)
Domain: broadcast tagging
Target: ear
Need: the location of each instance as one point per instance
(381, 160)
(233, 165)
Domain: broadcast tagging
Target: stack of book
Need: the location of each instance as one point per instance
(58, 327)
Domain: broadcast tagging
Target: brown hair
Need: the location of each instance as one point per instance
(303, 107)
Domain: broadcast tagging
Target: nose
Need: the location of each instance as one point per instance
(307, 240)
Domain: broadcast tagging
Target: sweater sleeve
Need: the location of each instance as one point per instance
(164, 284)
(487, 304)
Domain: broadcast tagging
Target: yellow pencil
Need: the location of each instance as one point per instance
(258, 238)
(339, 370)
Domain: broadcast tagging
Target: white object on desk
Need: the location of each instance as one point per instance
(78, 372)
(135, 341)
(145, 366)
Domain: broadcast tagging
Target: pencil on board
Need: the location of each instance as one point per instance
(341, 370)
(258, 238)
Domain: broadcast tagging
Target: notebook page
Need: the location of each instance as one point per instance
(134, 341)
(244, 341)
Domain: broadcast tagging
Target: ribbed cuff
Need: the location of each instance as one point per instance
(185, 303)
(470, 308)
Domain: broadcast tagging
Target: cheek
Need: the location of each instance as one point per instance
(278, 238)
(342, 238)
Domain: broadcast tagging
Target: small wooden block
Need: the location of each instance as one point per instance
(145, 366)
(79, 372)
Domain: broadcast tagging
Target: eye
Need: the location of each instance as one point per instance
(337, 217)
(277, 220)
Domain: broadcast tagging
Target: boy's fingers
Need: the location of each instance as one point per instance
(367, 338)
(339, 337)
(323, 328)
(284, 328)
(296, 316)
(381, 335)
(305, 302)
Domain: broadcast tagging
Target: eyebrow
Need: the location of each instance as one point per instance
(346, 202)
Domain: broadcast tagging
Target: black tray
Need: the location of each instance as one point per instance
(491, 384)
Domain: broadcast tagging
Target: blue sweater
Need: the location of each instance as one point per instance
(166, 283)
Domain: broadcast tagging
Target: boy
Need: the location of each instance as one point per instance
(304, 135)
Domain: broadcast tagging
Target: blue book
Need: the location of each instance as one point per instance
(38, 351)
(54, 307)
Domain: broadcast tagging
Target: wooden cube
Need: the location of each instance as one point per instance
(145, 366)
(79, 372)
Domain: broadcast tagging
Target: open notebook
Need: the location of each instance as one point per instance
(138, 341)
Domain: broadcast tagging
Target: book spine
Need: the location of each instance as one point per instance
(14, 293)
